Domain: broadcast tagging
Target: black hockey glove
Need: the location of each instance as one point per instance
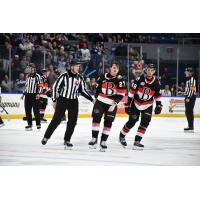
(127, 108)
(49, 93)
(158, 108)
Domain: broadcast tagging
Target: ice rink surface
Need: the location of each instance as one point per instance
(165, 144)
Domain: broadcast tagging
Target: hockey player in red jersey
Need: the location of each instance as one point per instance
(45, 94)
(143, 91)
(110, 91)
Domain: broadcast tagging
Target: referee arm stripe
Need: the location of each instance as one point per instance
(56, 87)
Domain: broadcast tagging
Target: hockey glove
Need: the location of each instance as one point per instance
(49, 93)
(158, 108)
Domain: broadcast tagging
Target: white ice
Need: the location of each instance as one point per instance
(165, 144)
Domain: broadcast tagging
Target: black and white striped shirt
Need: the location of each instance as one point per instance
(32, 85)
(190, 87)
(69, 85)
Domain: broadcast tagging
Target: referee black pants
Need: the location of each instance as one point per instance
(64, 104)
(189, 107)
(29, 103)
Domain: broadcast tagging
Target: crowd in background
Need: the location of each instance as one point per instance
(55, 52)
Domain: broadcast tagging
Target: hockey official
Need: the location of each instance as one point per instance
(190, 98)
(32, 94)
(65, 97)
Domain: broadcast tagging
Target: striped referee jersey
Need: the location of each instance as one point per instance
(69, 85)
(33, 83)
(190, 87)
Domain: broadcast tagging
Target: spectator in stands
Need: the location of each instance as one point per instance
(121, 50)
(85, 53)
(166, 91)
(20, 83)
(62, 64)
(6, 85)
(52, 75)
(5, 54)
(27, 47)
(97, 53)
(77, 53)
(15, 67)
(38, 57)
(173, 90)
(23, 63)
(181, 89)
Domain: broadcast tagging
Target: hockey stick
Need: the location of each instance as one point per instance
(4, 110)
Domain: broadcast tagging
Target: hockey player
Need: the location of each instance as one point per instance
(110, 90)
(143, 92)
(46, 92)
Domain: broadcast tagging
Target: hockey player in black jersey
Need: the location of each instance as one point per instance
(144, 90)
(110, 91)
(46, 92)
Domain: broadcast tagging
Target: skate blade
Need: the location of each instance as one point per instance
(43, 122)
(1, 125)
(67, 148)
(189, 131)
(29, 129)
(137, 148)
(92, 146)
(124, 147)
(102, 150)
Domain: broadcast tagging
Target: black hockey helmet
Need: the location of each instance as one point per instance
(189, 69)
(44, 70)
(75, 62)
(152, 66)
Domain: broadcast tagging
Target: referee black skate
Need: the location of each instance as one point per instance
(65, 97)
(190, 98)
(32, 94)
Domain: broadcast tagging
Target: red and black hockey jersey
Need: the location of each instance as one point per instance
(110, 89)
(143, 92)
(45, 87)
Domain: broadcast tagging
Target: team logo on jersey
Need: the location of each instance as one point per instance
(77, 82)
(142, 83)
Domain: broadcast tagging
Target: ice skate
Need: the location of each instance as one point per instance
(93, 143)
(103, 146)
(122, 141)
(138, 146)
(38, 127)
(43, 120)
(28, 128)
(68, 145)
(188, 130)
